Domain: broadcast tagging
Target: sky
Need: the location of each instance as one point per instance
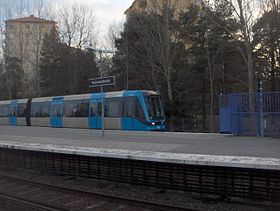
(106, 11)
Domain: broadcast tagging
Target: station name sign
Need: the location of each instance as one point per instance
(104, 81)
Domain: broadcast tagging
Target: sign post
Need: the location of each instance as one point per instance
(100, 82)
(103, 81)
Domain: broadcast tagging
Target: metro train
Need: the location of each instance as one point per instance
(126, 110)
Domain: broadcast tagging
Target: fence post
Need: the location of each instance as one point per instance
(261, 110)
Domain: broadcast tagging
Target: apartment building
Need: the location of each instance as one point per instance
(24, 41)
(157, 5)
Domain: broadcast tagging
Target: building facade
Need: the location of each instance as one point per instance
(157, 5)
(24, 41)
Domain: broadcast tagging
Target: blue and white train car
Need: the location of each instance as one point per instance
(125, 110)
(39, 112)
(14, 112)
(4, 112)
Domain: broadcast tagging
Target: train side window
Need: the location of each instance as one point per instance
(45, 109)
(99, 109)
(128, 106)
(54, 110)
(139, 111)
(36, 110)
(58, 110)
(82, 109)
(40, 109)
(75, 108)
(21, 110)
(93, 109)
(4, 111)
(13, 111)
(70, 108)
(114, 107)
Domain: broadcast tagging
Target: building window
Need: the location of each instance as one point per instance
(11, 35)
(142, 3)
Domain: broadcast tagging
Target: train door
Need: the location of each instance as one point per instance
(13, 113)
(128, 113)
(56, 113)
(95, 114)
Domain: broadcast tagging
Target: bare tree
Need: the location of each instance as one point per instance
(5, 13)
(77, 25)
(20, 8)
(38, 8)
(114, 33)
(27, 7)
(246, 14)
(268, 5)
(161, 48)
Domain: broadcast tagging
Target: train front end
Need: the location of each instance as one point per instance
(155, 114)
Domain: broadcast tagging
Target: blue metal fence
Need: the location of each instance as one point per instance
(250, 114)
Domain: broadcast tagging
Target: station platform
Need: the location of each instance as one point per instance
(179, 148)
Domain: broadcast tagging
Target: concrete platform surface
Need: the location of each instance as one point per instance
(202, 149)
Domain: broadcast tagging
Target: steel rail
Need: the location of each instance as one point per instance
(126, 201)
(26, 203)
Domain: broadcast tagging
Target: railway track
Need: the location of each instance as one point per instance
(18, 193)
(203, 188)
(12, 203)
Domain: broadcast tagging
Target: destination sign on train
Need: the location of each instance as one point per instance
(104, 81)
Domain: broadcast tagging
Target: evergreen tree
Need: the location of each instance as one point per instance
(11, 78)
(151, 48)
(200, 52)
(65, 70)
(212, 52)
(267, 47)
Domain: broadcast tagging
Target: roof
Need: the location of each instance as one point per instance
(130, 7)
(30, 19)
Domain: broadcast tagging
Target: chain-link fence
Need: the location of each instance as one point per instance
(194, 124)
(250, 114)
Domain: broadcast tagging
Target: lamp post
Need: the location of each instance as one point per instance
(100, 51)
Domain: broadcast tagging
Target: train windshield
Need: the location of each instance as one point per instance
(155, 107)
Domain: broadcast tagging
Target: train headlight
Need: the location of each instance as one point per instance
(153, 123)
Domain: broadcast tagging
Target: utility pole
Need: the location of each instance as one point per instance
(101, 89)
